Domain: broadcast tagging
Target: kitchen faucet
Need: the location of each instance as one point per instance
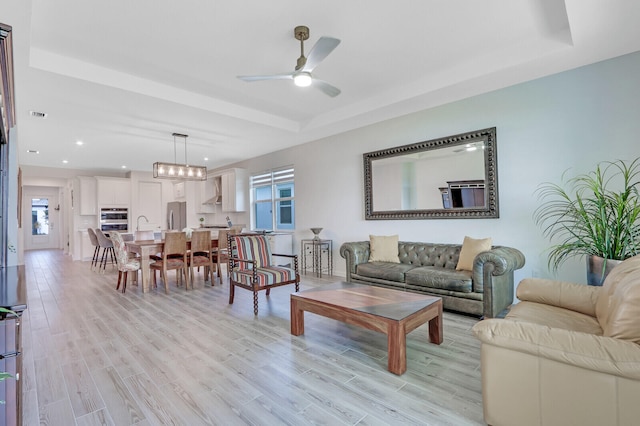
(138, 221)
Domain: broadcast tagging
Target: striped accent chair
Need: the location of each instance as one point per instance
(251, 267)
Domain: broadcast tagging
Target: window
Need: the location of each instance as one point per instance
(272, 200)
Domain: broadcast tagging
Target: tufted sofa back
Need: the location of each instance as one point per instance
(427, 254)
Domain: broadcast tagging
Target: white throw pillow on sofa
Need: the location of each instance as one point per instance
(470, 249)
(383, 248)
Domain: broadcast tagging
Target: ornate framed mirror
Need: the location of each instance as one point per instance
(447, 178)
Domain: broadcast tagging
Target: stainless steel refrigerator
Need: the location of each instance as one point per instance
(177, 215)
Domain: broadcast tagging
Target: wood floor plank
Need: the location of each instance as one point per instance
(154, 364)
(30, 410)
(97, 418)
(192, 409)
(120, 403)
(263, 410)
(232, 385)
(93, 354)
(157, 408)
(275, 386)
(218, 410)
(188, 357)
(121, 359)
(56, 414)
(41, 343)
(50, 381)
(81, 389)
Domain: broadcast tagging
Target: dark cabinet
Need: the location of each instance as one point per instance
(12, 297)
(463, 194)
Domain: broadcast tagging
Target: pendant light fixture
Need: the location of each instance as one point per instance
(179, 171)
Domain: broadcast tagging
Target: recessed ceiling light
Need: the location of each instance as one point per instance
(65, 161)
(79, 143)
(206, 158)
(124, 167)
(33, 151)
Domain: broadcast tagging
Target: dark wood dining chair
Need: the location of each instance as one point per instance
(174, 257)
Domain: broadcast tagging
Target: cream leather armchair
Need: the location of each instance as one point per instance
(567, 354)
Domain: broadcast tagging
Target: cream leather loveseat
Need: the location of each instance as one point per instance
(567, 354)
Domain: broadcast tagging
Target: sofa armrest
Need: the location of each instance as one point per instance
(503, 260)
(493, 276)
(597, 353)
(573, 296)
(354, 253)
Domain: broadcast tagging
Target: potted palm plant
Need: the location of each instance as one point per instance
(596, 214)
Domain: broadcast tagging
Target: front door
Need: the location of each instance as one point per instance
(43, 220)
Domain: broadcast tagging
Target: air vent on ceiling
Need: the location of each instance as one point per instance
(38, 114)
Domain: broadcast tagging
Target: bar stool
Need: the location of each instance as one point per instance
(94, 242)
(107, 249)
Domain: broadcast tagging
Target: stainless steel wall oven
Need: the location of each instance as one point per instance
(114, 219)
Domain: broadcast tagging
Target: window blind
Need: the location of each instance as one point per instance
(273, 177)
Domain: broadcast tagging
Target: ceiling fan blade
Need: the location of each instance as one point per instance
(327, 88)
(319, 51)
(250, 78)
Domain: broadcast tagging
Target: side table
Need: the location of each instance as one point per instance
(321, 254)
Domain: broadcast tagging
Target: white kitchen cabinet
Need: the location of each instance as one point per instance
(87, 192)
(114, 192)
(86, 248)
(234, 190)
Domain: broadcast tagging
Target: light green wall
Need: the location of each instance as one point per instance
(569, 120)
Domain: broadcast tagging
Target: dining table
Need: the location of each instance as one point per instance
(145, 248)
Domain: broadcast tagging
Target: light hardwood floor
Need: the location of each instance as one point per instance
(94, 356)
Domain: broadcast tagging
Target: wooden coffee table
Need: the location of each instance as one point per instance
(392, 312)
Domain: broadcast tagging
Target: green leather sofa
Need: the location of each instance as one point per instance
(427, 268)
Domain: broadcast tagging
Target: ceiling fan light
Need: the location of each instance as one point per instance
(302, 79)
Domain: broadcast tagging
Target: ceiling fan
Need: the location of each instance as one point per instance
(301, 76)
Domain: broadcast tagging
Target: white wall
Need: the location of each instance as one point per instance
(14, 234)
(570, 120)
